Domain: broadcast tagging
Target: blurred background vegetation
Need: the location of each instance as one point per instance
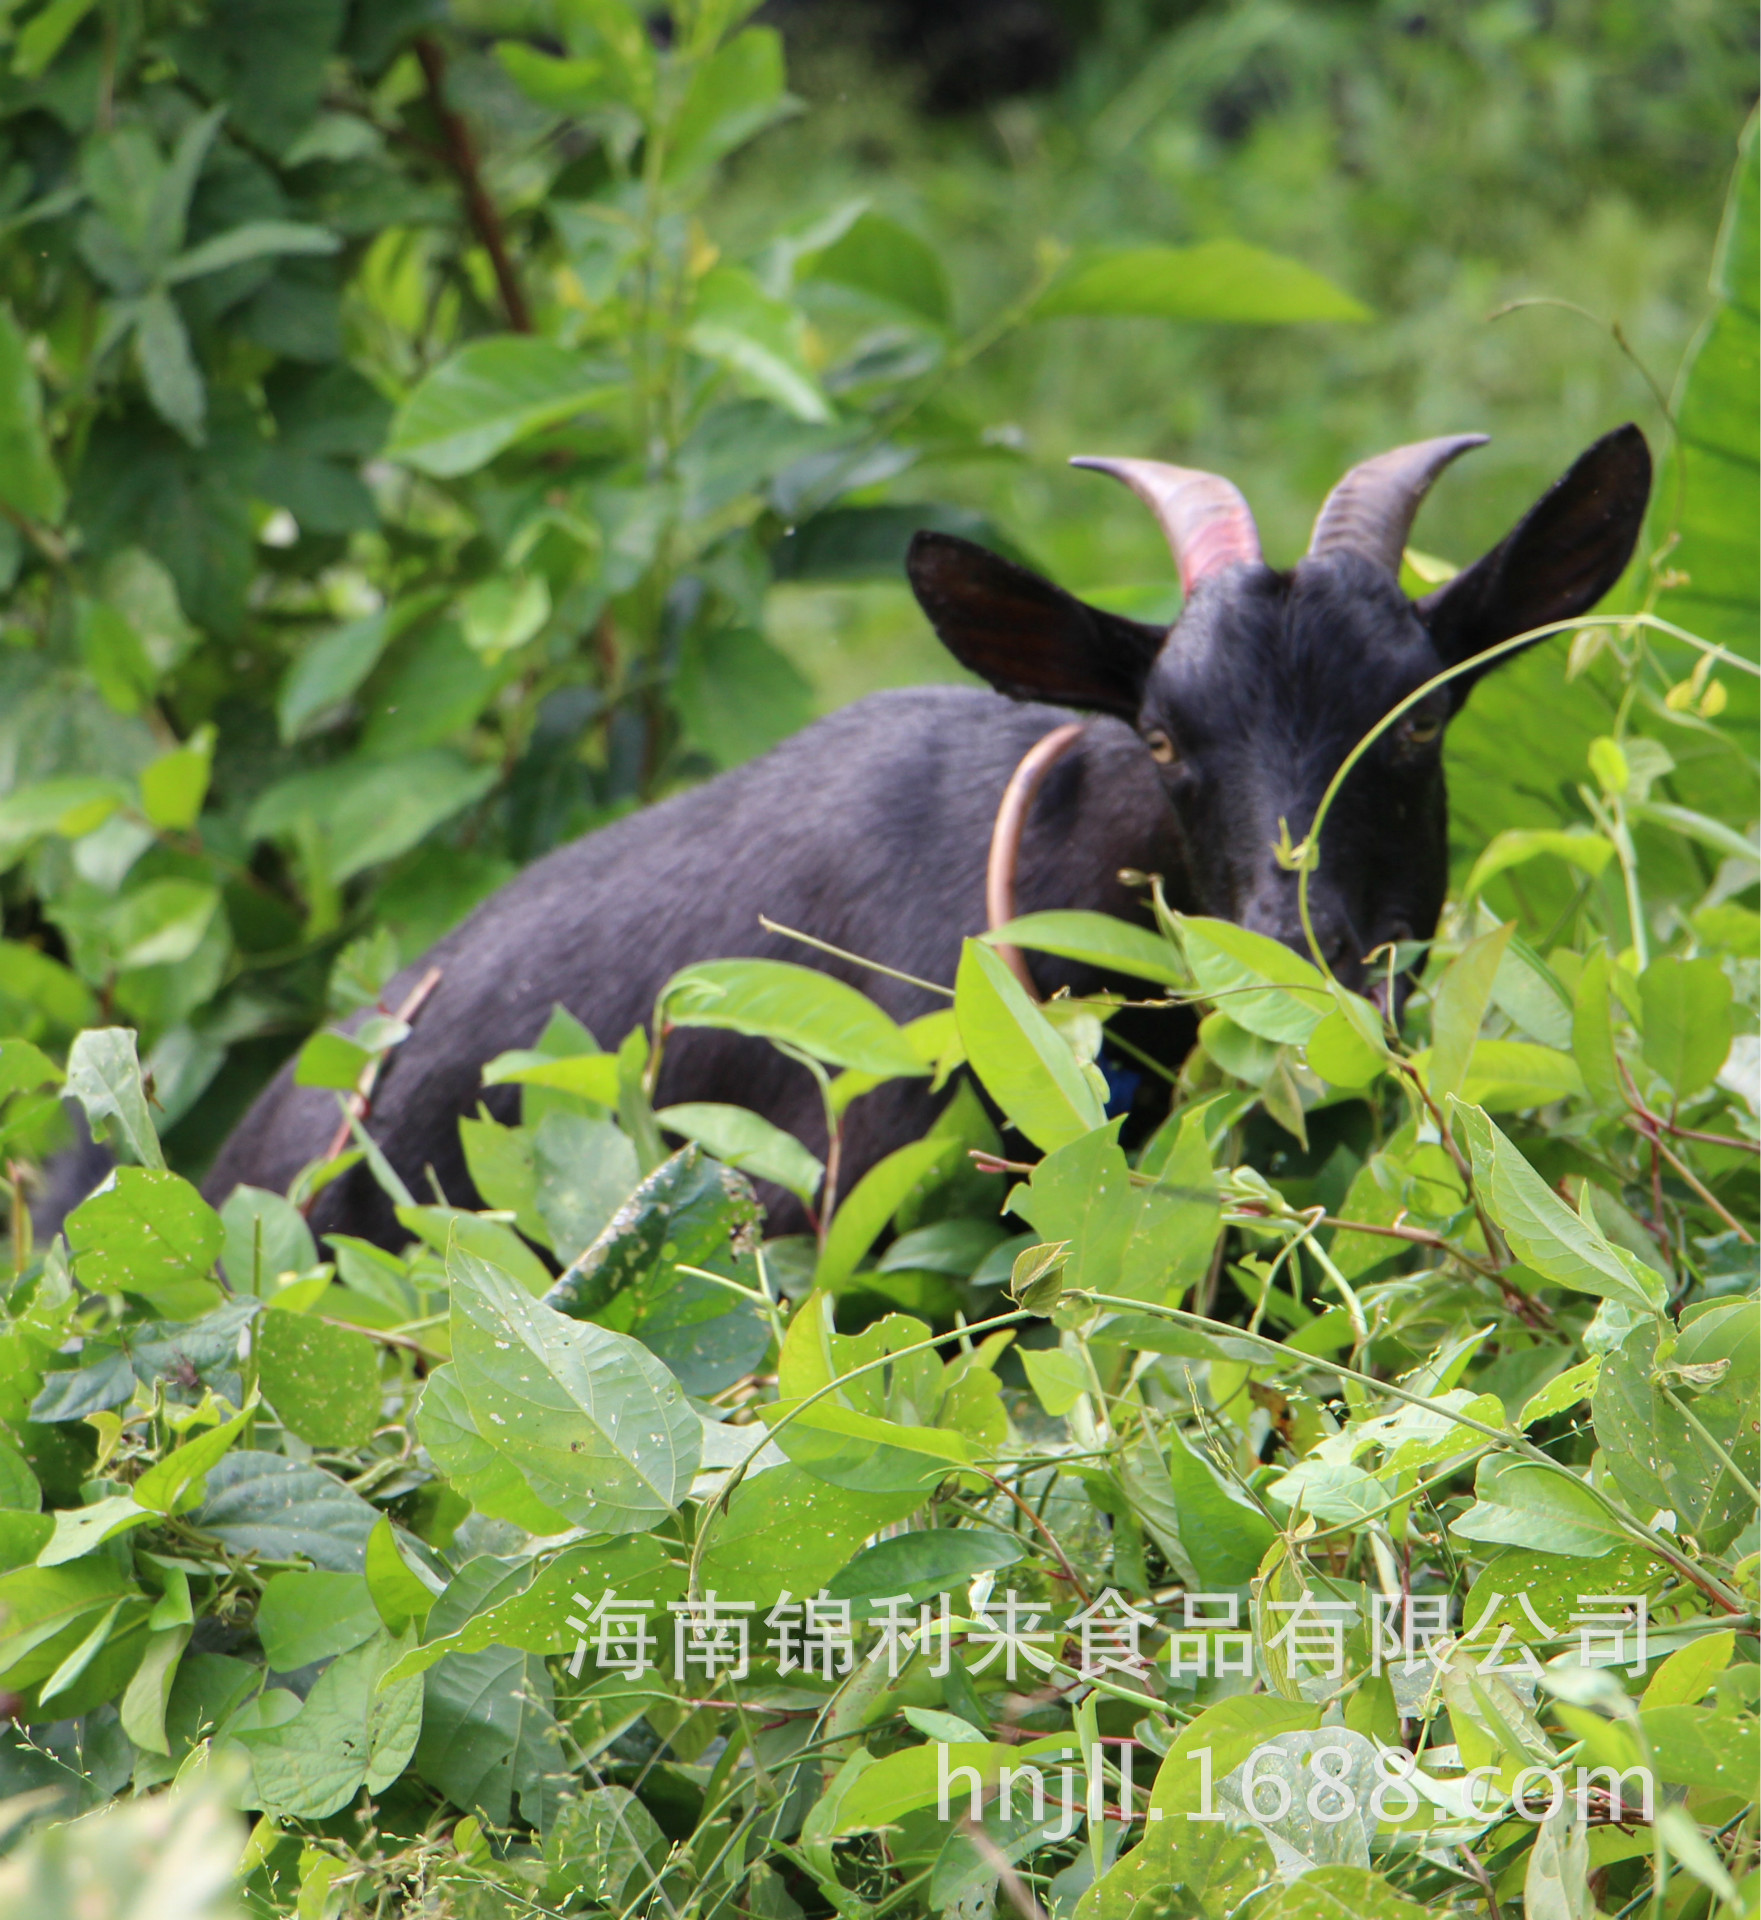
(431, 430)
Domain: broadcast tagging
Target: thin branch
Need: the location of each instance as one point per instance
(1051, 1539)
(360, 1102)
(855, 959)
(1705, 1193)
(461, 156)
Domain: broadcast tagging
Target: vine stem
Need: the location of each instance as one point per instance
(1699, 1426)
(1714, 1589)
(1051, 1539)
(1717, 1206)
(721, 1500)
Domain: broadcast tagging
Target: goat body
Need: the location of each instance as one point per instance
(1206, 754)
(869, 830)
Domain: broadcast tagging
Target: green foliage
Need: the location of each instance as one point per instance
(389, 493)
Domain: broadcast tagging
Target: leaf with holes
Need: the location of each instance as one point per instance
(596, 1425)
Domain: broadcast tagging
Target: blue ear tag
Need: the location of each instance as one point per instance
(1122, 1083)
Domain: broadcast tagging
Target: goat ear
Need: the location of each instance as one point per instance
(1559, 560)
(1028, 638)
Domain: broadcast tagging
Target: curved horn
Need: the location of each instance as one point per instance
(1204, 517)
(1372, 509)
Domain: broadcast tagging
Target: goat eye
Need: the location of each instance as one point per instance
(1422, 730)
(1161, 747)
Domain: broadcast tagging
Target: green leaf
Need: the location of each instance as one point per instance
(1511, 1076)
(594, 1076)
(328, 670)
(70, 806)
(161, 924)
(104, 1076)
(734, 94)
(1522, 1505)
(738, 695)
(1217, 280)
(688, 1212)
(605, 1851)
(168, 366)
(148, 1232)
(1143, 1241)
(1687, 1675)
(1224, 1535)
(537, 1618)
(1098, 939)
(1707, 495)
(488, 1479)
(253, 240)
(1552, 1584)
(1338, 1051)
(1592, 1032)
(743, 328)
(369, 811)
(20, 1490)
(1562, 1391)
(322, 1380)
(878, 257)
(46, 35)
(843, 1437)
(1659, 1456)
(1687, 1021)
(565, 86)
(174, 786)
(82, 1530)
(356, 1728)
(1544, 1232)
(490, 396)
(305, 1617)
(1231, 964)
(1231, 1730)
(30, 481)
(46, 1612)
(488, 1239)
(24, 1067)
(400, 1595)
(1221, 1868)
(489, 1732)
(1024, 1062)
(863, 1213)
(1458, 1008)
(749, 1142)
(921, 1565)
(794, 1006)
(266, 1237)
(1058, 1379)
(1703, 1747)
(284, 1509)
(142, 1707)
(176, 1483)
(584, 1171)
(788, 1530)
(912, 1778)
(1586, 851)
(598, 1427)
(1342, 1893)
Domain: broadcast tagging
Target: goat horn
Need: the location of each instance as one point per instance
(1372, 509)
(1205, 519)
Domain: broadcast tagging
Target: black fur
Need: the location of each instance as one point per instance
(870, 829)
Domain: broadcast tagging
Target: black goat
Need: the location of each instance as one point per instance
(870, 829)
